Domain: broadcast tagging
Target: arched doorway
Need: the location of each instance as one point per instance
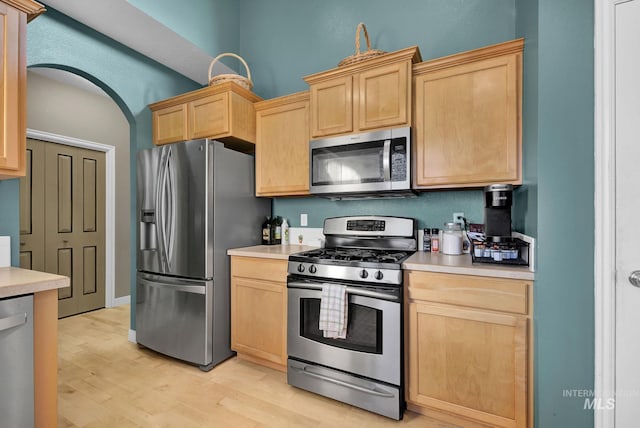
(69, 109)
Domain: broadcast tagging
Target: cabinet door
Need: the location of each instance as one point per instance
(258, 319)
(469, 362)
(12, 92)
(384, 96)
(282, 150)
(468, 124)
(209, 116)
(170, 124)
(332, 107)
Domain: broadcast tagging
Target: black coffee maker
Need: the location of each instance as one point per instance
(498, 199)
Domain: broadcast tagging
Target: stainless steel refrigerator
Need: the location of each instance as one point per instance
(195, 200)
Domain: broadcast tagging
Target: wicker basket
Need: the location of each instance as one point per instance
(245, 82)
(361, 56)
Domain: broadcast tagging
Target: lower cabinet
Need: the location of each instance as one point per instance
(468, 353)
(259, 310)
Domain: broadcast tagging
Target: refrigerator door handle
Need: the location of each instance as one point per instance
(171, 202)
(164, 225)
(160, 210)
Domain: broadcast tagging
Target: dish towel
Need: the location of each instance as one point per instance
(333, 311)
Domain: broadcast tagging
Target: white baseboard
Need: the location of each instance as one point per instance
(132, 336)
(119, 301)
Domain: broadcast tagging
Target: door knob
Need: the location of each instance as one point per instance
(634, 278)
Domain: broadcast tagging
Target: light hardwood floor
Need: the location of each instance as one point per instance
(106, 381)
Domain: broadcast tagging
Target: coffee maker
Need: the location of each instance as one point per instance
(498, 199)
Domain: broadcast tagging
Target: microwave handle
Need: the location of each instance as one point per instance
(386, 160)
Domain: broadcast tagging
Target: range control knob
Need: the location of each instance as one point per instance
(300, 268)
(313, 269)
(379, 275)
(364, 274)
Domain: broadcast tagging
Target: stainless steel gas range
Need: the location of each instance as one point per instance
(363, 255)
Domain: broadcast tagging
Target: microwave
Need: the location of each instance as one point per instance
(367, 164)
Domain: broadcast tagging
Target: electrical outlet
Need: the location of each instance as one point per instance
(457, 218)
(303, 220)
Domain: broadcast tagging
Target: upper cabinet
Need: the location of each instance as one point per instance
(372, 94)
(468, 118)
(282, 146)
(14, 15)
(224, 112)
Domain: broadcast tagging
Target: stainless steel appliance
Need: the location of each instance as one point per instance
(372, 163)
(365, 369)
(16, 354)
(195, 200)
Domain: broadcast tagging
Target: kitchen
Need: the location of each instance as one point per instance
(546, 195)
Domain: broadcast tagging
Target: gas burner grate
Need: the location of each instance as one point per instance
(356, 255)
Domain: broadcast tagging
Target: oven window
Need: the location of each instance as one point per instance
(364, 327)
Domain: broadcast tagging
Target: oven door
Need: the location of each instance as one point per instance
(373, 346)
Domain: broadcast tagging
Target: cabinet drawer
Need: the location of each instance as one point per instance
(265, 269)
(498, 294)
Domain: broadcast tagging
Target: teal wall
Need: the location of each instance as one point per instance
(558, 155)
(132, 80)
(9, 214)
(431, 209)
(564, 289)
(525, 209)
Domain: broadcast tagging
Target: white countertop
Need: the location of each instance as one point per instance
(428, 262)
(462, 265)
(16, 281)
(281, 252)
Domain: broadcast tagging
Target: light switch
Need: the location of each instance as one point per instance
(303, 220)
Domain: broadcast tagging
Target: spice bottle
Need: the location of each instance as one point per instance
(426, 242)
(435, 240)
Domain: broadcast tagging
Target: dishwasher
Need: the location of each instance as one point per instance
(16, 362)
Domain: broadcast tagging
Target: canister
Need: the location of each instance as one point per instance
(452, 239)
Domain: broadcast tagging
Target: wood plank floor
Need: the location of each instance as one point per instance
(106, 381)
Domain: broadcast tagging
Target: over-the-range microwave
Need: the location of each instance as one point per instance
(370, 164)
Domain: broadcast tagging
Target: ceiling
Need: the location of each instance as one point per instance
(143, 34)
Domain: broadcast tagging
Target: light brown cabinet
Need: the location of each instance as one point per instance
(224, 112)
(259, 310)
(468, 114)
(282, 146)
(14, 15)
(372, 94)
(468, 348)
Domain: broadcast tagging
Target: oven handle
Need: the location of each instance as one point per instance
(350, 290)
(309, 373)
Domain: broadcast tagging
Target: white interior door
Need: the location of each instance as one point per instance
(627, 137)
